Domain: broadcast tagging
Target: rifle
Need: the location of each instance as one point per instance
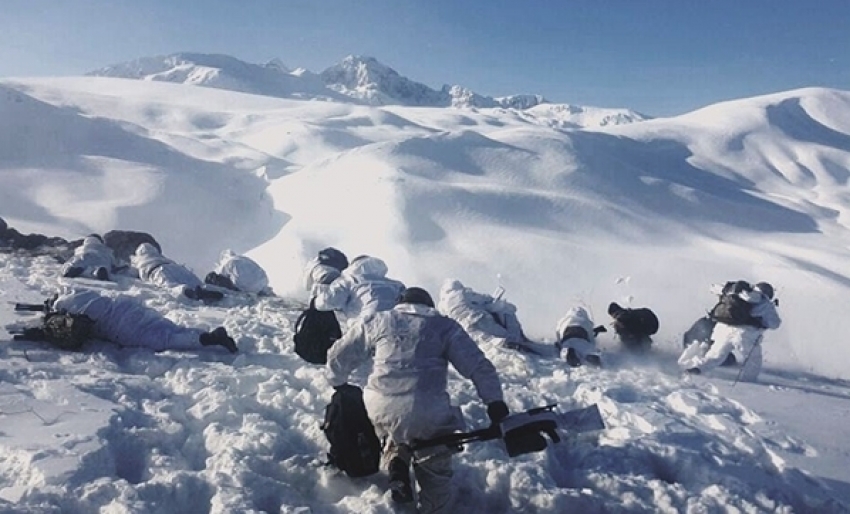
(64, 331)
(33, 307)
(30, 333)
(497, 294)
(522, 432)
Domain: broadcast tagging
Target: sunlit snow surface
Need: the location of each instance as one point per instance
(646, 214)
(134, 431)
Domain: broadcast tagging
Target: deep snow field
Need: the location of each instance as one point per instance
(128, 430)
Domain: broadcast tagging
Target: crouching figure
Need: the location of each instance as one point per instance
(576, 338)
(741, 315)
(406, 393)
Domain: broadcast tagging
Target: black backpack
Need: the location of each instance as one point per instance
(315, 333)
(700, 332)
(638, 323)
(64, 331)
(733, 310)
(355, 448)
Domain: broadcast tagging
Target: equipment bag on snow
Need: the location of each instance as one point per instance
(355, 448)
(732, 310)
(315, 333)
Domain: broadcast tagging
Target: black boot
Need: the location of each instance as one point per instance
(572, 358)
(402, 492)
(208, 296)
(73, 272)
(219, 337)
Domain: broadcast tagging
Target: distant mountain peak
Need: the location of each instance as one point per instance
(356, 78)
(277, 64)
(224, 72)
(367, 79)
(370, 80)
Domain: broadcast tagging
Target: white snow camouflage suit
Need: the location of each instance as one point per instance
(577, 317)
(744, 341)
(90, 256)
(125, 321)
(487, 319)
(244, 273)
(406, 393)
(361, 289)
(159, 270)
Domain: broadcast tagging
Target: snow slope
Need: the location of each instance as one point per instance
(645, 214)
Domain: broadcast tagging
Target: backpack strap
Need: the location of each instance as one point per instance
(303, 315)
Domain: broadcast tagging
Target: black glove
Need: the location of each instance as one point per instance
(497, 411)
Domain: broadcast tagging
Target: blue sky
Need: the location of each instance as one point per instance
(658, 57)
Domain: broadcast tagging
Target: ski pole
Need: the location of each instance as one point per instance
(746, 360)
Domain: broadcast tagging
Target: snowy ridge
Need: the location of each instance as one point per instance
(223, 72)
(355, 78)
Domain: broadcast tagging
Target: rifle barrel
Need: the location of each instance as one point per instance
(30, 307)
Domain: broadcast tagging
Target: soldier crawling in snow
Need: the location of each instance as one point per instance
(74, 317)
(360, 288)
(488, 319)
(92, 259)
(239, 273)
(155, 268)
(741, 315)
(634, 326)
(576, 338)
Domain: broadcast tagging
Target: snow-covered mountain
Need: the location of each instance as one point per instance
(223, 72)
(377, 84)
(646, 214)
(357, 79)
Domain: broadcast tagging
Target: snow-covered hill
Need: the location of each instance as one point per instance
(355, 78)
(646, 214)
(757, 184)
